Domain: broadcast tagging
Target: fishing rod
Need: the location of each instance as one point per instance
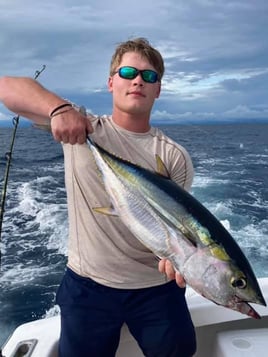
(8, 156)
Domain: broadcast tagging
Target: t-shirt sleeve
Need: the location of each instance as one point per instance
(181, 168)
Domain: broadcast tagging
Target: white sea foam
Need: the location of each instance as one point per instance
(52, 221)
(47, 215)
(22, 275)
(53, 311)
(255, 236)
(221, 209)
(226, 224)
(201, 181)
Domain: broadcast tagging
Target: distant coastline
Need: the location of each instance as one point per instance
(26, 123)
(210, 122)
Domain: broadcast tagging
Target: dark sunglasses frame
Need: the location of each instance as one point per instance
(128, 72)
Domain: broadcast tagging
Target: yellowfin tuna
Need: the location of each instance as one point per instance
(174, 225)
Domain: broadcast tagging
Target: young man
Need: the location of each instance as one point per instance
(111, 278)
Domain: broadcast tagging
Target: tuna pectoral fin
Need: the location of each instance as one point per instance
(108, 211)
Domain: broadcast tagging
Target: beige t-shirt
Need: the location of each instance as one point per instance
(100, 246)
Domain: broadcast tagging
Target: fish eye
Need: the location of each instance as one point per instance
(239, 283)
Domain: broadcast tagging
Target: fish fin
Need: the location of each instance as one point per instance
(161, 168)
(185, 233)
(190, 237)
(108, 211)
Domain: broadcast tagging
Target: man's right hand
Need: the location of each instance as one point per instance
(71, 127)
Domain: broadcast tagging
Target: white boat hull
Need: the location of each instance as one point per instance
(213, 325)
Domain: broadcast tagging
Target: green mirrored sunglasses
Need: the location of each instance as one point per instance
(148, 75)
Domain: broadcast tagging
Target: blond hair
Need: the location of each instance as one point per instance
(142, 46)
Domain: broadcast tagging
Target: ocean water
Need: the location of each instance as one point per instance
(231, 180)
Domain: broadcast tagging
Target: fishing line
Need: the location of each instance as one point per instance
(8, 156)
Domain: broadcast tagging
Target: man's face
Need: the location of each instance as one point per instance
(133, 96)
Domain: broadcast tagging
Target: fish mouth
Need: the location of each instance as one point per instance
(251, 312)
(245, 308)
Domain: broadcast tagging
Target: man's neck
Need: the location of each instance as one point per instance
(130, 122)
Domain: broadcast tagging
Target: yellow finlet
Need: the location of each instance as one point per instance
(219, 252)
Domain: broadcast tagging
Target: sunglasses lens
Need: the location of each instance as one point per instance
(128, 72)
(149, 76)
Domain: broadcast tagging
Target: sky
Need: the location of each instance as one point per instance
(215, 52)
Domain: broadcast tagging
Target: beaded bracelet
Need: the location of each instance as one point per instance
(60, 107)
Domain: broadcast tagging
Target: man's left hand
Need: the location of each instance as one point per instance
(165, 267)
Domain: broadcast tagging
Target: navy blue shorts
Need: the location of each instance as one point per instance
(92, 316)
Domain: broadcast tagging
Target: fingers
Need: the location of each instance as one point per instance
(165, 267)
(180, 280)
(161, 266)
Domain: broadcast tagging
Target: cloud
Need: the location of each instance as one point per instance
(215, 52)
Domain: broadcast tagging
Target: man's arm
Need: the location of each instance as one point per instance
(28, 98)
